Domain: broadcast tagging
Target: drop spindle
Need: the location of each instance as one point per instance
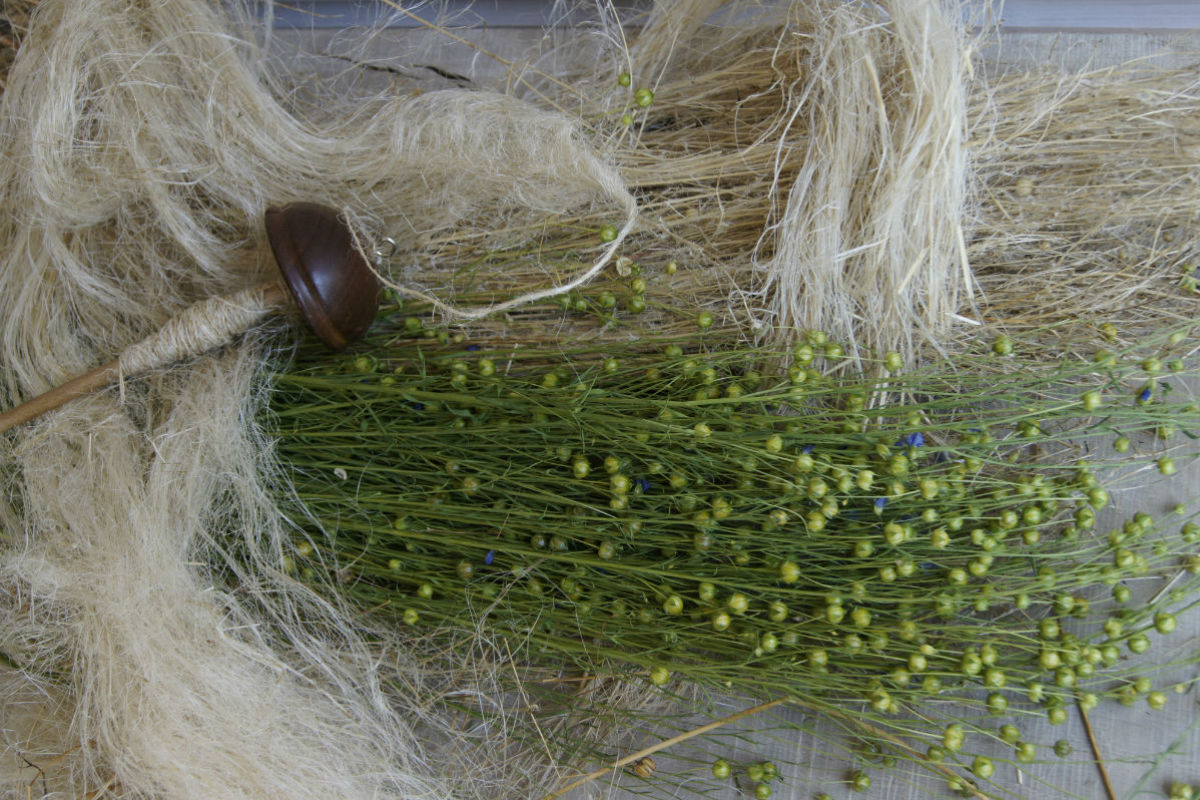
(322, 270)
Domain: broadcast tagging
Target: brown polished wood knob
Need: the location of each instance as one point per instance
(331, 282)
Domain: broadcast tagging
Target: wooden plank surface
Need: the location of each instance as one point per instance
(1060, 15)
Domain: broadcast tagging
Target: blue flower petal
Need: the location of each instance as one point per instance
(490, 557)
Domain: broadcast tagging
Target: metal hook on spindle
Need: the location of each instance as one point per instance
(323, 272)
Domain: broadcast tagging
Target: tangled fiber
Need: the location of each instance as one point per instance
(813, 171)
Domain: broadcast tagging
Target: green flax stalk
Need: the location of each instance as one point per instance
(771, 523)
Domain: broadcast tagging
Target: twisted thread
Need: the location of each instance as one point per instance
(200, 327)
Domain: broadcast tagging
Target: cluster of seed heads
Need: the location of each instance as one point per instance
(751, 519)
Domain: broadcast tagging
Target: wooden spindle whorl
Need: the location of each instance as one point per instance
(331, 282)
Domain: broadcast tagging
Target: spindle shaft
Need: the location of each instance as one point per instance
(201, 327)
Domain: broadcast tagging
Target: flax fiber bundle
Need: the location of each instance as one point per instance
(810, 171)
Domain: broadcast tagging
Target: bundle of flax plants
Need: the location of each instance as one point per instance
(865, 541)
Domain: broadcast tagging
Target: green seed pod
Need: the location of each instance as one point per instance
(1164, 622)
(1182, 791)
(953, 737)
(738, 603)
(776, 611)
(803, 463)
(817, 489)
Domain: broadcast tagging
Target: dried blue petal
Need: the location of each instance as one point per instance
(490, 557)
(808, 448)
(880, 502)
(914, 439)
(1144, 395)
(472, 347)
(643, 484)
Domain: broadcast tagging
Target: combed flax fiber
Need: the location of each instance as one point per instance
(866, 240)
(813, 171)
